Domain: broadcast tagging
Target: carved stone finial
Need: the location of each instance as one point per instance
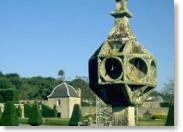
(121, 27)
(121, 9)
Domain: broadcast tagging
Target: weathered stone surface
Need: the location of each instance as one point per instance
(123, 116)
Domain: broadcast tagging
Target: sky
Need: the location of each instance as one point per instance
(40, 37)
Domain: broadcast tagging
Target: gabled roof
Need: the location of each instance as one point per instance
(63, 90)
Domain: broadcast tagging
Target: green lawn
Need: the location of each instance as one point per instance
(65, 122)
(48, 121)
(159, 122)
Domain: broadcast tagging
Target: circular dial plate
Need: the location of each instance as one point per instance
(136, 69)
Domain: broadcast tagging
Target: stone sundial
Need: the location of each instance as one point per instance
(121, 72)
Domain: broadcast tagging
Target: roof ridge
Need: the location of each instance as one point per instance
(54, 89)
(73, 89)
(68, 92)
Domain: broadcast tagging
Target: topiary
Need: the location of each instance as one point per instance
(76, 116)
(170, 117)
(27, 109)
(55, 111)
(35, 118)
(0, 112)
(9, 116)
(19, 111)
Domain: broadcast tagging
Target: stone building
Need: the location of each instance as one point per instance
(64, 96)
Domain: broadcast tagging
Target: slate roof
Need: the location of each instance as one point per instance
(63, 90)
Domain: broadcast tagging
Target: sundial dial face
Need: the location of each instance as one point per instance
(136, 69)
(113, 68)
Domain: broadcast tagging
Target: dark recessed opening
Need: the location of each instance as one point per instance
(113, 68)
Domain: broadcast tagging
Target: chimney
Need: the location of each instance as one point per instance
(79, 92)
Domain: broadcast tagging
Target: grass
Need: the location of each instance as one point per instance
(65, 122)
(23, 120)
(56, 122)
(48, 121)
(159, 122)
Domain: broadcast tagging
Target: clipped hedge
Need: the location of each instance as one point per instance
(158, 116)
(19, 111)
(9, 116)
(56, 122)
(47, 111)
(76, 116)
(1, 113)
(170, 117)
(9, 95)
(165, 104)
(35, 118)
(27, 110)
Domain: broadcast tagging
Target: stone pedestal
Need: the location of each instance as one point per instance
(123, 116)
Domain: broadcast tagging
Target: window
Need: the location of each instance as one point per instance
(59, 102)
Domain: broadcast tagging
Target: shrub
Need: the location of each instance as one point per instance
(90, 118)
(35, 118)
(9, 116)
(56, 122)
(9, 95)
(147, 115)
(165, 104)
(19, 111)
(158, 116)
(27, 110)
(47, 111)
(76, 116)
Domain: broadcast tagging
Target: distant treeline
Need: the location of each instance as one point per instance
(14, 88)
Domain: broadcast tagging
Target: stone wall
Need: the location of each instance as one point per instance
(62, 108)
(72, 102)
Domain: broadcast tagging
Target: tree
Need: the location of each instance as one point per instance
(168, 95)
(1, 74)
(9, 116)
(86, 93)
(168, 92)
(35, 118)
(10, 75)
(76, 116)
(61, 73)
(9, 95)
(6, 83)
